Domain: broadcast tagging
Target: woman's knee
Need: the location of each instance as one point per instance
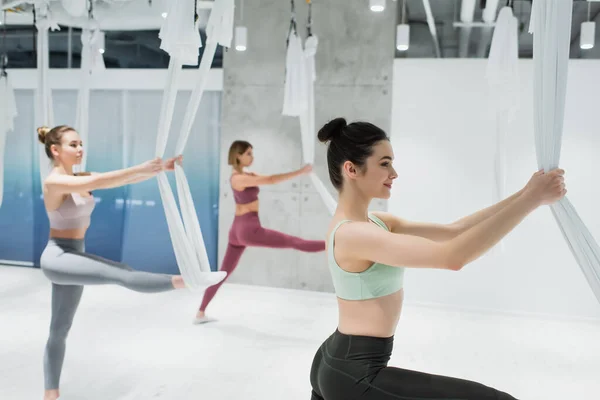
(60, 325)
(60, 330)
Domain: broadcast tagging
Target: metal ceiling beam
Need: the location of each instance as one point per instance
(485, 39)
(432, 28)
(467, 14)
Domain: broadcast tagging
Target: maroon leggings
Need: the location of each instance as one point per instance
(247, 231)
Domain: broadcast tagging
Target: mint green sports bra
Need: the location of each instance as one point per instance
(376, 281)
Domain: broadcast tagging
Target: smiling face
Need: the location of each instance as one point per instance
(374, 178)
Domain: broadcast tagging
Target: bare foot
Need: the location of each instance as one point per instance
(51, 394)
(178, 282)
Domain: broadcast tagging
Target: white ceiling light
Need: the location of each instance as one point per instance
(241, 38)
(403, 31)
(377, 5)
(241, 32)
(588, 35)
(164, 15)
(402, 37)
(101, 42)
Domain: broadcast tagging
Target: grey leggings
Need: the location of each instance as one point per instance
(64, 262)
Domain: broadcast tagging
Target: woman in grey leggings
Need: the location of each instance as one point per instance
(69, 203)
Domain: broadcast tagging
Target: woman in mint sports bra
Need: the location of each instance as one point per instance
(69, 203)
(367, 254)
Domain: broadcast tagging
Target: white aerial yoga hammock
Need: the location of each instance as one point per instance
(551, 28)
(44, 111)
(503, 81)
(295, 96)
(299, 100)
(91, 61)
(307, 122)
(8, 112)
(181, 39)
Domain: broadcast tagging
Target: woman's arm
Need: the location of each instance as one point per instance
(62, 184)
(443, 232)
(364, 241)
(469, 221)
(542, 189)
(168, 165)
(131, 180)
(242, 181)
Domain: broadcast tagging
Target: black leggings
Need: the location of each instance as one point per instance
(350, 367)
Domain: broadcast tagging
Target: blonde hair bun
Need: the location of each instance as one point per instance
(42, 131)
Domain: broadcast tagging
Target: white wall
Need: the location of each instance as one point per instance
(443, 137)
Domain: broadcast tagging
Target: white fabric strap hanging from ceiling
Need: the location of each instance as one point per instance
(181, 39)
(296, 82)
(8, 108)
(307, 123)
(8, 112)
(44, 108)
(502, 75)
(307, 114)
(219, 31)
(91, 62)
(551, 28)
(299, 100)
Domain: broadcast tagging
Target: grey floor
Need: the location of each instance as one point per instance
(126, 346)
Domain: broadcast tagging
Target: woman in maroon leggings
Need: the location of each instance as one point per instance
(246, 229)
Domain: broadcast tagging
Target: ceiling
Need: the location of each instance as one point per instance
(132, 27)
(474, 42)
(131, 33)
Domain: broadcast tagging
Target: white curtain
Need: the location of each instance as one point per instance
(551, 28)
(299, 100)
(181, 39)
(8, 112)
(503, 81)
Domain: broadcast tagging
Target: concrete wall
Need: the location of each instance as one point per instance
(354, 66)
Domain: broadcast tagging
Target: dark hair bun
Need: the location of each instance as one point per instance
(332, 129)
(42, 131)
